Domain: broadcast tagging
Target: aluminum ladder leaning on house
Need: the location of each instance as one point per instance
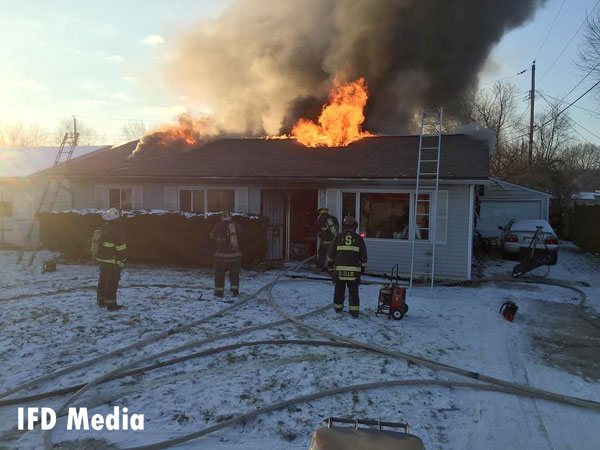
(428, 179)
(56, 176)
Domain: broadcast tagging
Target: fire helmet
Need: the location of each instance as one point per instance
(349, 222)
(112, 214)
(323, 210)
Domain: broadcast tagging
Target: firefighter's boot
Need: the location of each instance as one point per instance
(114, 307)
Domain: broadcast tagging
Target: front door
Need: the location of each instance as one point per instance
(273, 208)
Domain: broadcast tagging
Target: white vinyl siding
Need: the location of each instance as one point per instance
(101, 197)
(451, 256)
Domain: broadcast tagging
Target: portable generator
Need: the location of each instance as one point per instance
(392, 298)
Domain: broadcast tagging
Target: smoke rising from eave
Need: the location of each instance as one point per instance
(263, 64)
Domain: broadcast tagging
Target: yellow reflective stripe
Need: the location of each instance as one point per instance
(350, 248)
(338, 306)
(346, 278)
(108, 244)
(353, 308)
(348, 268)
(219, 289)
(235, 287)
(121, 263)
(121, 247)
(110, 261)
(363, 264)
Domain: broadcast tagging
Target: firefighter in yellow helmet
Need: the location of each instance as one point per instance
(327, 229)
(228, 256)
(111, 255)
(348, 259)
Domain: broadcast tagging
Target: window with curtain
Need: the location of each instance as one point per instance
(385, 215)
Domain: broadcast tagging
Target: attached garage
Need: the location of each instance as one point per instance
(501, 201)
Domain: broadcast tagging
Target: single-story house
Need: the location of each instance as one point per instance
(501, 201)
(23, 177)
(372, 179)
(586, 198)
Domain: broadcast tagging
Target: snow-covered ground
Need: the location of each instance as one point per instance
(49, 321)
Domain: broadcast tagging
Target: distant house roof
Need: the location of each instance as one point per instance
(505, 185)
(382, 157)
(25, 161)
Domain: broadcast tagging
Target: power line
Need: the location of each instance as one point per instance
(551, 26)
(570, 104)
(575, 122)
(570, 40)
(563, 101)
(505, 78)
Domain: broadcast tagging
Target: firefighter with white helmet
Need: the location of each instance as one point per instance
(110, 250)
(228, 257)
(327, 229)
(348, 259)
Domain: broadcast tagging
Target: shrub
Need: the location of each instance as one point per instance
(157, 237)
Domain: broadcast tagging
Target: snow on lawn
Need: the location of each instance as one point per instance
(49, 321)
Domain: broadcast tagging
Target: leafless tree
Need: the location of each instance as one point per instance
(23, 134)
(87, 134)
(589, 49)
(134, 130)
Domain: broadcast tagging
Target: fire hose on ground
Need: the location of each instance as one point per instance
(497, 385)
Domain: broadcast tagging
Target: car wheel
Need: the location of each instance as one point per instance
(506, 255)
(554, 259)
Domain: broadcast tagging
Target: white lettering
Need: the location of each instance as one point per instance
(20, 421)
(97, 422)
(137, 422)
(47, 418)
(125, 421)
(77, 419)
(112, 420)
(31, 417)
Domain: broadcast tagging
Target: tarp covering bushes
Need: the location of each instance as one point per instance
(157, 237)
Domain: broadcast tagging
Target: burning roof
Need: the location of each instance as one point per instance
(381, 157)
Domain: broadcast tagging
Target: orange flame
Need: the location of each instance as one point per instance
(189, 132)
(340, 121)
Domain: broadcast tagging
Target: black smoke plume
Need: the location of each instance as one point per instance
(262, 64)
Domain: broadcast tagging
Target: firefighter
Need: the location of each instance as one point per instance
(228, 256)
(327, 229)
(347, 258)
(111, 255)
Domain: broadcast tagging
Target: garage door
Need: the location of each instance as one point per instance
(498, 213)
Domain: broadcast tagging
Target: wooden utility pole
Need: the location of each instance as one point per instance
(532, 98)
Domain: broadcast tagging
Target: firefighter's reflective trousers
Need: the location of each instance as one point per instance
(345, 278)
(322, 255)
(222, 265)
(108, 282)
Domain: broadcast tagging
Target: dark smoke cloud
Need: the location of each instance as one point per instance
(263, 64)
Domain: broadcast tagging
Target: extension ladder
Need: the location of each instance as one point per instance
(426, 197)
(56, 177)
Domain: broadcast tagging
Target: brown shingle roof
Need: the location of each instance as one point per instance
(376, 157)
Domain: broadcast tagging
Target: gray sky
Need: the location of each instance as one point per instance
(105, 61)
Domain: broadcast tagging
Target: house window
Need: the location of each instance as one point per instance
(120, 198)
(385, 215)
(422, 212)
(6, 209)
(191, 200)
(220, 200)
(349, 204)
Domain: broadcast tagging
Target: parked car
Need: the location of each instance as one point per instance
(518, 234)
